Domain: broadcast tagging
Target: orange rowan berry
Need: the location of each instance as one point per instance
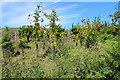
(35, 13)
(116, 12)
(110, 15)
(98, 24)
(39, 6)
(78, 28)
(51, 35)
(113, 27)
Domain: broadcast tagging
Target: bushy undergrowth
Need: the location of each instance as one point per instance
(76, 63)
(102, 64)
(13, 70)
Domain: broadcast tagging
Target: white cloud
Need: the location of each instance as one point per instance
(69, 7)
(21, 12)
(22, 19)
(63, 18)
(59, 10)
(73, 16)
(68, 16)
(18, 0)
(19, 20)
(66, 19)
(17, 10)
(60, 1)
(55, 2)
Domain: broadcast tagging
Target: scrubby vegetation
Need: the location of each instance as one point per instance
(90, 50)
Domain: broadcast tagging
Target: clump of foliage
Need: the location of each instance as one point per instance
(7, 44)
(13, 70)
(102, 64)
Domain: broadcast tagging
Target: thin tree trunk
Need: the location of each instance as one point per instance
(37, 49)
(28, 39)
(81, 43)
(22, 48)
(52, 51)
(43, 45)
(87, 46)
(76, 44)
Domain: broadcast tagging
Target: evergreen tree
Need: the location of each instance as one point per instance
(7, 44)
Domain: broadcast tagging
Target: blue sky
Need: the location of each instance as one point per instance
(14, 14)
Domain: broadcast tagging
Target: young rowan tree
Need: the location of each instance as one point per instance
(54, 31)
(22, 33)
(75, 33)
(38, 29)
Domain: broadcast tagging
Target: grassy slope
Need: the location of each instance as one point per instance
(46, 63)
(51, 66)
(30, 58)
(0, 60)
